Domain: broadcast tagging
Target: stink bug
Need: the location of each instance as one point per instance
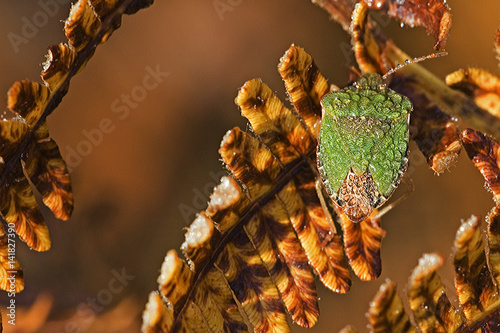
(363, 143)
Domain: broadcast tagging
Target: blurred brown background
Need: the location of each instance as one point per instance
(137, 187)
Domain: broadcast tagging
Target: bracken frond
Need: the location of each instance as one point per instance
(476, 285)
(251, 253)
(28, 154)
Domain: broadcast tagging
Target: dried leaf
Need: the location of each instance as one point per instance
(18, 204)
(323, 250)
(305, 85)
(484, 153)
(275, 240)
(11, 273)
(431, 307)
(253, 287)
(474, 282)
(156, 317)
(434, 131)
(386, 313)
(434, 15)
(475, 286)
(339, 10)
(367, 50)
(480, 85)
(26, 149)
(494, 243)
(362, 242)
(322, 245)
(348, 329)
(265, 227)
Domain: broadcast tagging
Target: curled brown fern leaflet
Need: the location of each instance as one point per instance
(480, 85)
(434, 15)
(28, 154)
(484, 153)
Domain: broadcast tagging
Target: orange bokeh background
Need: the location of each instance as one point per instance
(137, 186)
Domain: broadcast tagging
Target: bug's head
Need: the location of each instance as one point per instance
(371, 81)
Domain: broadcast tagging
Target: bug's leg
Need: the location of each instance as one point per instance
(406, 180)
(319, 192)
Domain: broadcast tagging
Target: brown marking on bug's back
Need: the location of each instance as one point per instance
(358, 196)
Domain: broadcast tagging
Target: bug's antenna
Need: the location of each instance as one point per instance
(413, 61)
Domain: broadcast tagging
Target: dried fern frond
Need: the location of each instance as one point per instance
(270, 228)
(264, 228)
(28, 154)
(476, 272)
(249, 254)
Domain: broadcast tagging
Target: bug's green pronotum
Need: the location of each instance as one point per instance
(363, 145)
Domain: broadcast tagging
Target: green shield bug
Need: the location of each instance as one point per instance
(363, 144)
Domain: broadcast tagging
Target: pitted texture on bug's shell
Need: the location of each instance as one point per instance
(364, 129)
(358, 195)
